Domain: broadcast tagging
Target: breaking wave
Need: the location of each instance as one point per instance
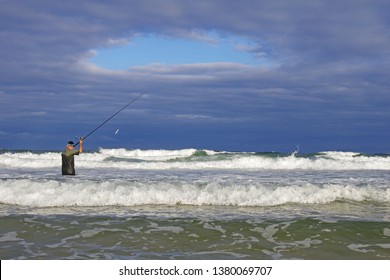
(64, 193)
(199, 159)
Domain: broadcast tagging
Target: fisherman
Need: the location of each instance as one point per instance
(68, 157)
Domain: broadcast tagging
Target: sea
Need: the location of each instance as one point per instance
(192, 204)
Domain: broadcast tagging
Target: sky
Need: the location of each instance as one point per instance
(149, 49)
(251, 75)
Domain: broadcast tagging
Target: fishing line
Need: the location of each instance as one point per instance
(124, 107)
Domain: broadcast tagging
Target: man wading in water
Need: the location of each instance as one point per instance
(68, 157)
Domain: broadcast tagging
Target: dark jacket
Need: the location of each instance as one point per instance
(68, 162)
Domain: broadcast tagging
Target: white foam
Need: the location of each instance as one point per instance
(162, 159)
(53, 193)
(160, 155)
(340, 155)
(10, 237)
(30, 160)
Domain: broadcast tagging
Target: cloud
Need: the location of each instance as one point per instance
(328, 72)
(118, 42)
(193, 117)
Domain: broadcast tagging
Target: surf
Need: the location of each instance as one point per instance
(198, 159)
(225, 191)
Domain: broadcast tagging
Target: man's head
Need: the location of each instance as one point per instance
(69, 145)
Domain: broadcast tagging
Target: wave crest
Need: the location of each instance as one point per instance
(199, 159)
(54, 193)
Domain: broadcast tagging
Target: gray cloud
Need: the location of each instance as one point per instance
(329, 74)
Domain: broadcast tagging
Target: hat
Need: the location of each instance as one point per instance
(70, 143)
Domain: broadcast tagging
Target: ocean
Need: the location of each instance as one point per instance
(195, 205)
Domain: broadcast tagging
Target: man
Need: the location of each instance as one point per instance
(68, 157)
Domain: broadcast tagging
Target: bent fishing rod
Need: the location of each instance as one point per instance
(124, 107)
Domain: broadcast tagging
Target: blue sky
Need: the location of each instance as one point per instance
(149, 49)
(224, 75)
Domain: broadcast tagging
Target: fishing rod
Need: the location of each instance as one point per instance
(124, 107)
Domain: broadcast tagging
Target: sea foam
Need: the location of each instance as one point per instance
(194, 159)
(54, 193)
